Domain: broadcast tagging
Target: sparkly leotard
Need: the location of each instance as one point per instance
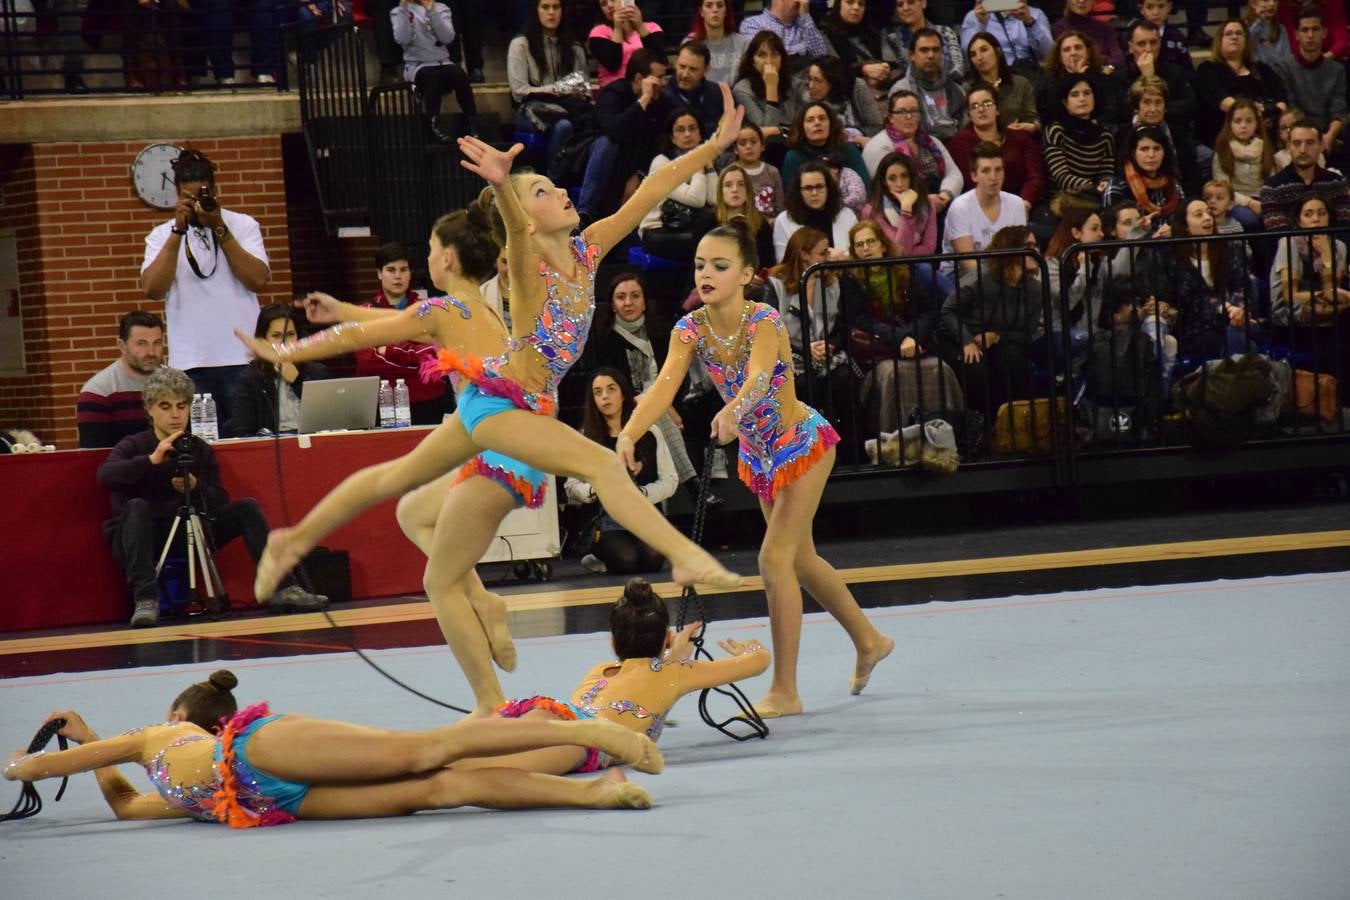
(564, 320)
(781, 437)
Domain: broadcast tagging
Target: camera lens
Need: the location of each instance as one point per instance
(205, 200)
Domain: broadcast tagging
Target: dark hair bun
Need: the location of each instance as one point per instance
(479, 211)
(638, 592)
(223, 680)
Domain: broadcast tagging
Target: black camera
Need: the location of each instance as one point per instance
(207, 202)
(183, 449)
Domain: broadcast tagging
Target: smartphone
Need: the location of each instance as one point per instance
(994, 6)
(628, 2)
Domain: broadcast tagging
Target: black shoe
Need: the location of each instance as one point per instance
(435, 134)
(75, 85)
(476, 76)
(471, 126)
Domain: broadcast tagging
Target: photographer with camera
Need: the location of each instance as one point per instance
(207, 264)
(154, 473)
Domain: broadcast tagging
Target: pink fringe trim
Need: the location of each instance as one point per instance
(514, 709)
(767, 488)
(227, 807)
(448, 361)
(534, 495)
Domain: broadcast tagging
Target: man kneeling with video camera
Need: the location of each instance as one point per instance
(147, 481)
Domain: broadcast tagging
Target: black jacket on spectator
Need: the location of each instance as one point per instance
(1216, 80)
(705, 102)
(989, 303)
(128, 474)
(609, 349)
(918, 320)
(1181, 98)
(635, 130)
(253, 405)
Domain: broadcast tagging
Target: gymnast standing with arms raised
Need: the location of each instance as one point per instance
(786, 453)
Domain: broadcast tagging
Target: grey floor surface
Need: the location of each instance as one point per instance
(1188, 741)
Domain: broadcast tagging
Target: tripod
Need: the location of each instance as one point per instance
(198, 548)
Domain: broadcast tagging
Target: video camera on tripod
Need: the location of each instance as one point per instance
(190, 518)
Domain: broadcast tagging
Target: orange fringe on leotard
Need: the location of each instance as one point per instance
(767, 488)
(227, 807)
(479, 466)
(449, 361)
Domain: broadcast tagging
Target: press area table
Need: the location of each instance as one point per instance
(58, 572)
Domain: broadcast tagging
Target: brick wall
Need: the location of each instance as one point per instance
(81, 241)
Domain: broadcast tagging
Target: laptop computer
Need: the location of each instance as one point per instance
(335, 404)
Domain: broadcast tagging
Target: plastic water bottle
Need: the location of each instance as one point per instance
(402, 405)
(195, 414)
(386, 404)
(210, 429)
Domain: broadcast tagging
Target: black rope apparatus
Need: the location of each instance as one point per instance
(30, 803)
(749, 720)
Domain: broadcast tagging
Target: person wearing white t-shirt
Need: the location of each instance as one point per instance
(976, 215)
(207, 266)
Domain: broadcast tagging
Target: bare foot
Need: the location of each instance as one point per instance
(491, 612)
(625, 745)
(483, 712)
(702, 568)
(867, 661)
(614, 791)
(279, 557)
(775, 706)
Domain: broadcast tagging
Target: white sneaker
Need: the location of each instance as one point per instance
(265, 79)
(225, 81)
(591, 563)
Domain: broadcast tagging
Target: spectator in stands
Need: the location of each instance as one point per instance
(1283, 191)
(817, 133)
(535, 62)
(1229, 75)
(391, 362)
(609, 404)
(1148, 105)
(1270, 42)
(629, 113)
(940, 174)
(764, 85)
(162, 48)
(909, 21)
(1075, 58)
(1080, 154)
(1023, 173)
(1078, 17)
(207, 265)
(989, 323)
(732, 199)
(818, 330)
(109, 406)
(861, 49)
(668, 229)
(1244, 157)
(813, 200)
(424, 29)
(894, 328)
(1310, 291)
(387, 50)
(621, 33)
(1129, 305)
(267, 397)
(715, 27)
(898, 205)
(1288, 119)
(497, 294)
(1315, 83)
(68, 41)
(1336, 44)
(828, 82)
(1023, 35)
(943, 100)
(216, 20)
(1211, 286)
(1147, 174)
(1145, 46)
(766, 182)
(976, 216)
(852, 188)
(146, 483)
(690, 89)
(1174, 48)
(630, 337)
(469, 39)
(1219, 198)
(1079, 280)
(1016, 98)
(793, 26)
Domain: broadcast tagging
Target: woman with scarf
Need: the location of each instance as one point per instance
(1147, 176)
(898, 204)
(941, 177)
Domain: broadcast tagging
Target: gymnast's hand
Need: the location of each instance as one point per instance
(486, 161)
(321, 308)
(730, 124)
(258, 347)
(627, 453)
(75, 729)
(679, 649)
(724, 426)
(736, 648)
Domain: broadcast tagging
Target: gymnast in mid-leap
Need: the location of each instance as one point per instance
(786, 452)
(264, 769)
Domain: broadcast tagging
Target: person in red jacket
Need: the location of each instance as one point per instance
(430, 402)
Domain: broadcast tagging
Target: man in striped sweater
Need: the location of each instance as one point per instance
(109, 406)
